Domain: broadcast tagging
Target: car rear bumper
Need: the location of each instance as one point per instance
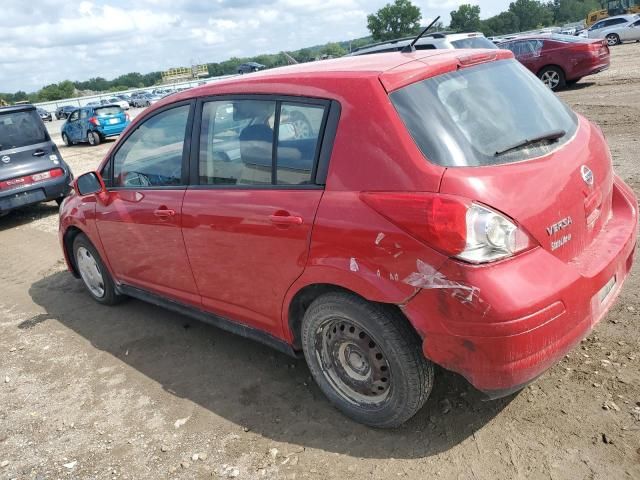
(35, 193)
(112, 130)
(503, 325)
(590, 68)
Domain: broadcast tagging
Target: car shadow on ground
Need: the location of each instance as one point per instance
(250, 384)
(580, 85)
(30, 213)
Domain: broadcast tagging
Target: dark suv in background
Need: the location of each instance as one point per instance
(31, 168)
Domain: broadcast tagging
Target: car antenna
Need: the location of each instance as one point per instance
(411, 47)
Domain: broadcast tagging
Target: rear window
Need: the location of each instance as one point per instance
(470, 116)
(21, 128)
(473, 42)
(105, 111)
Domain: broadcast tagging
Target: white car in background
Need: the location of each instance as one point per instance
(618, 29)
(123, 104)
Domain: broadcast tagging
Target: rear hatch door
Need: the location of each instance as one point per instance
(25, 145)
(110, 115)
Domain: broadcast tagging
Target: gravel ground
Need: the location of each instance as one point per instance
(137, 392)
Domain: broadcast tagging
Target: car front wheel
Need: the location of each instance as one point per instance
(66, 140)
(94, 274)
(366, 359)
(552, 77)
(613, 39)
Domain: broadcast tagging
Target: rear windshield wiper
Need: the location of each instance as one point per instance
(552, 135)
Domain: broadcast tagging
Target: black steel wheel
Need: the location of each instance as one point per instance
(366, 359)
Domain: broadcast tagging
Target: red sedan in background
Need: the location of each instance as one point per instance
(560, 60)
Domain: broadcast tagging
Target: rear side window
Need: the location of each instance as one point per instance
(471, 116)
(474, 42)
(237, 139)
(21, 128)
(106, 111)
(152, 155)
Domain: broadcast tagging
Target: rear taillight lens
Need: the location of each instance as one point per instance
(94, 121)
(453, 225)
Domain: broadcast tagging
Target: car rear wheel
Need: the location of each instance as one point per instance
(94, 274)
(366, 359)
(613, 39)
(94, 138)
(552, 77)
(66, 140)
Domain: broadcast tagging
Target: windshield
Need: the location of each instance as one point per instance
(21, 128)
(105, 111)
(473, 42)
(464, 118)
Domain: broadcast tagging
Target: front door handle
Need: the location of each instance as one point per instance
(164, 212)
(285, 219)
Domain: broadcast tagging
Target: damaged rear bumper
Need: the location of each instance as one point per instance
(502, 325)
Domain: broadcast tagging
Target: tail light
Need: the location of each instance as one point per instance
(453, 225)
(30, 179)
(94, 121)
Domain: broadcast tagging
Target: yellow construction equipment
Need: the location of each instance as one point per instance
(613, 7)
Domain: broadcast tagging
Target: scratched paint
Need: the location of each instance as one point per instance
(428, 277)
(353, 265)
(379, 238)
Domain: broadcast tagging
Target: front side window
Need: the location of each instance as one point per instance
(237, 142)
(152, 155)
(484, 115)
(74, 116)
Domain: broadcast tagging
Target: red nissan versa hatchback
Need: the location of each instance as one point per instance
(378, 214)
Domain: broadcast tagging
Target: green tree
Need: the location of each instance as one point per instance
(398, 19)
(531, 14)
(333, 50)
(501, 24)
(573, 10)
(466, 18)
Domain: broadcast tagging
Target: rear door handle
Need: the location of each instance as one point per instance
(38, 153)
(285, 219)
(164, 212)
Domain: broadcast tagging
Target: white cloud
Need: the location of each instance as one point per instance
(46, 41)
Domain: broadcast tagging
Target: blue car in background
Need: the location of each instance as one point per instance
(93, 124)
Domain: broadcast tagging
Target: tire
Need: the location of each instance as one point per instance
(94, 138)
(66, 140)
(95, 276)
(613, 39)
(372, 347)
(552, 77)
(59, 200)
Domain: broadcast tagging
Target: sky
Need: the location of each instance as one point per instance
(47, 41)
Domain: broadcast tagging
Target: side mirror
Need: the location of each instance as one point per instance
(89, 183)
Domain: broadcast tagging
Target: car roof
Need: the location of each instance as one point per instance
(17, 108)
(627, 16)
(393, 69)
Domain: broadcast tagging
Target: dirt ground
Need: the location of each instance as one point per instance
(135, 392)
